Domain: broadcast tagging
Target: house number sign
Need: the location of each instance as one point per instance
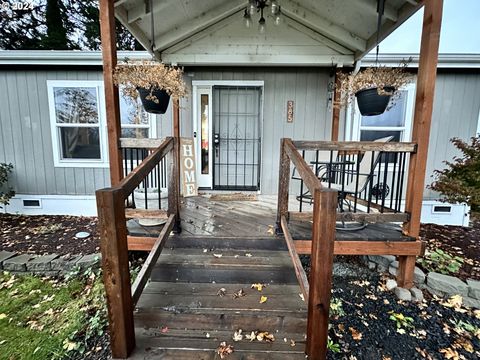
(187, 166)
(290, 111)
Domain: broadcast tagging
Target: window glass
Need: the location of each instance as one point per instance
(372, 135)
(76, 105)
(136, 133)
(77, 122)
(395, 116)
(80, 143)
(129, 114)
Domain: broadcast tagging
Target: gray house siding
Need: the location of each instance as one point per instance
(455, 114)
(25, 135)
(308, 88)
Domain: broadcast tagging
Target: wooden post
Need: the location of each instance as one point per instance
(176, 165)
(323, 240)
(109, 56)
(283, 184)
(336, 109)
(116, 274)
(427, 73)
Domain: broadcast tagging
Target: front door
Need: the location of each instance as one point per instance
(236, 137)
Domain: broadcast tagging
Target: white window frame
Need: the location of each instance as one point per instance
(84, 163)
(353, 123)
(103, 162)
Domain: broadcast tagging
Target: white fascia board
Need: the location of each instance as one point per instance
(445, 61)
(63, 57)
(256, 60)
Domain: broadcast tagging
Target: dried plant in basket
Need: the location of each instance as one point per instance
(152, 81)
(387, 82)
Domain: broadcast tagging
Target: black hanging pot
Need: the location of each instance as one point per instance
(371, 103)
(151, 106)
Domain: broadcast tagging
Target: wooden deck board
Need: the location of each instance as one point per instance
(182, 294)
(203, 217)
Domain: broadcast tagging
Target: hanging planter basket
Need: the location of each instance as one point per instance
(152, 106)
(371, 103)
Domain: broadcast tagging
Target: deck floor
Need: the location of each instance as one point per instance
(189, 305)
(203, 217)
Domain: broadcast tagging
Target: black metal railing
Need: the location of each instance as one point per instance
(155, 182)
(367, 179)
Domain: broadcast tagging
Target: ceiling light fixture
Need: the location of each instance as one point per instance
(258, 6)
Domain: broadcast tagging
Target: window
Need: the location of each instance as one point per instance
(76, 123)
(135, 120)
(396, 122)
(79, 126)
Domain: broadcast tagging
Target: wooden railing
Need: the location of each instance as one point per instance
(318, 291)
(326, 212)
(112, 216)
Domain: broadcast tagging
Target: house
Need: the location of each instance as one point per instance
(256, 93)
(51, 179)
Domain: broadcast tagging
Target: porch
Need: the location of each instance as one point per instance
(167, 290)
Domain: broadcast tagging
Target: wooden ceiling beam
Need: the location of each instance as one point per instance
(324, 26)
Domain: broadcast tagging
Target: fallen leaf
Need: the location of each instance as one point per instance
(466, 345)
(450, 353)
(302, 297)
(248, 255)
(164, 329)
(356, 335)
(218, 255)
(265, 336)
(238, 294)
(263, 299)
(224, 350)
(292, 342)
(252, 336)
(271, 230)
(258, 286)
(237, 335)
(207, 335)
(222, 292)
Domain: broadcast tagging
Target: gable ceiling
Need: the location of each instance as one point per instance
(314, 32)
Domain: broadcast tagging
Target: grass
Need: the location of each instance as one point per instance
(43, 318)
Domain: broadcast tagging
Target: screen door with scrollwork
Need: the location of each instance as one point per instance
(236, 137)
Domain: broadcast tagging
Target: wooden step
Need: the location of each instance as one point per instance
(190, 265)
(212, 242)
(182, 344)
(197, 306)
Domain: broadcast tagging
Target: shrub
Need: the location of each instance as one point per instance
(6, 192)
(460, 181)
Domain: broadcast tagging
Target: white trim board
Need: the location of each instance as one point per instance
(77, 205)
(228, 82)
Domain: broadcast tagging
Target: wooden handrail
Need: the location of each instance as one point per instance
(353, 216)
(356, 146)
(152, 258)
(136, 176)
(129, 143)
(305, 171)
(297, 264)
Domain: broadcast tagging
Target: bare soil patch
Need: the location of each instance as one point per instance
(48, 234)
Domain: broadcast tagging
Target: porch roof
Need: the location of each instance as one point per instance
(313, 32)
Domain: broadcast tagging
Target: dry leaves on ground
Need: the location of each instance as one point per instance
(224, 350)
